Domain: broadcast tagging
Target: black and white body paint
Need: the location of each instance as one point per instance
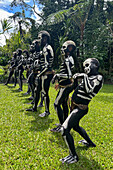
(13, 64)
(64, 79)
(46, 74)
(90, 85)
(20, 68)
(35, 65)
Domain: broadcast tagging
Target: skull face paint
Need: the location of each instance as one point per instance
(86, 65)
(35, 46)
(63, 49)
(40, 38)
(67, 48)
(19, 51)
(43, 38)
(91, 66)
(32, 47)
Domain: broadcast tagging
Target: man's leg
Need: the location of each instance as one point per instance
(41, 102)
(15, 77)
(46, 79)
(9, 77)
(83, 133)
(61, 99)
(36, 96)
(73, 122)
(69, 123)
(65, 108)
(31, 81)
(29, 89)
(20, 79)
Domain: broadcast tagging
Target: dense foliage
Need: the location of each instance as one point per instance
(88, 23)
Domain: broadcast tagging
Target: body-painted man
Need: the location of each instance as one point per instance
(44, 78)
(20, 68)
(13, 64)
(90, 85)
(64, 78)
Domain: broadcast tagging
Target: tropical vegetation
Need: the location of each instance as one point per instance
(87, 22)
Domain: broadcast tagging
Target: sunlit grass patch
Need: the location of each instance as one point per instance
(27, 143)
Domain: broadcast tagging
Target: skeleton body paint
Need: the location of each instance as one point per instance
(65, 83)
(19, 68)
(43, 78)
(34, 67)
(90, 85)
(12, 69)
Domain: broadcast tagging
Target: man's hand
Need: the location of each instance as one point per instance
(79, 75)
(75, 75)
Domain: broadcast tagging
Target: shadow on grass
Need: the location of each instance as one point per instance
(10, 86)
(20, 93)
(23, 95)
(83, 164)
(26, 101)
(62, 144)
(39, 124)
(15, 91)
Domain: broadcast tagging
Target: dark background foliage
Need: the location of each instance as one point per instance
(88, 23)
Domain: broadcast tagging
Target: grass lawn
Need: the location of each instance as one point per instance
(27, 143)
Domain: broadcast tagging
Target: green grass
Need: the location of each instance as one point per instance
(27, 143)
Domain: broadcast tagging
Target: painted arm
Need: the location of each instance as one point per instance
(89, 85)
(69, 68)
(47, 52)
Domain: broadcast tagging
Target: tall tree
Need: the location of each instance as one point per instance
(24, 5)
(109, 24)
(21, 19)
(79, 14)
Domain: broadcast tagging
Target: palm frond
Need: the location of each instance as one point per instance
(59, 16)
(79, 11)
(5, 25)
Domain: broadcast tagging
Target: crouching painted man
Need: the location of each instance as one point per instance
(90, 85)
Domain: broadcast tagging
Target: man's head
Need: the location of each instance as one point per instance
(43, 38)
(14, 54)
(34, 46)
(19, 51)
(67, 48)
(26, 53)
(91, 66)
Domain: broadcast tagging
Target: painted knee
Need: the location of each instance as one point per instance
(63, 131)
(43, 94)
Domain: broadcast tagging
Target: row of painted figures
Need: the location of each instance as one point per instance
(38, 65)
